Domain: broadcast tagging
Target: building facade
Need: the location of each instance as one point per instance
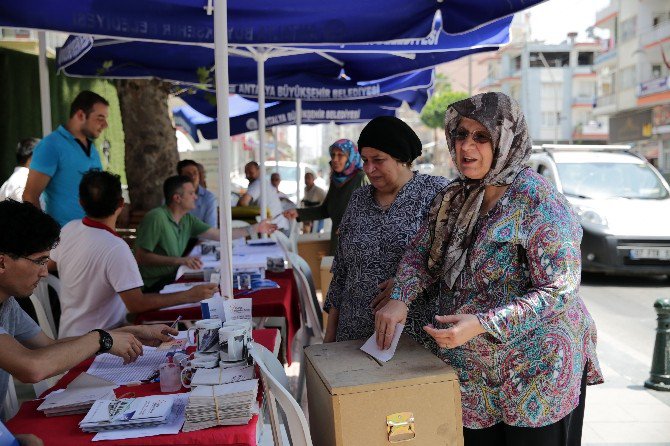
(555, 86)
(633, 76)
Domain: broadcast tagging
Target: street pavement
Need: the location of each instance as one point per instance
(622, 411)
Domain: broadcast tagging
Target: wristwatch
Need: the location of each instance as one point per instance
(106, 341)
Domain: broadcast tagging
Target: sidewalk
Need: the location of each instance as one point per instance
(620, 413)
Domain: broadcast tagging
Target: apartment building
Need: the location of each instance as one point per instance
(555, 84)
(633, 82)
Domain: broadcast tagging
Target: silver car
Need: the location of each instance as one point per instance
(622, 201)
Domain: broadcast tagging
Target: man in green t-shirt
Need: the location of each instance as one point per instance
(163, 235)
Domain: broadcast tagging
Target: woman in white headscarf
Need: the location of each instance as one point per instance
(504, 247)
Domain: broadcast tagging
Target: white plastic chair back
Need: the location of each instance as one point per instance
(11, 403)
(276, 393)
(43, 322)
(239, 224)
(311, 308)
(42, 294)
(283, 241)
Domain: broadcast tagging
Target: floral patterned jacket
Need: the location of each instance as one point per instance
(522, 280)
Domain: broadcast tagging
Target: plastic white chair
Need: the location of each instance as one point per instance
(283, 241)
(42, 295)
(11, 403)
(43, 322)
(276, 393)
(311, 308)
(239, 224)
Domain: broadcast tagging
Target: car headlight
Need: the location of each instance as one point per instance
(590, 216)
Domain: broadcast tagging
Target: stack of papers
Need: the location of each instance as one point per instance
(223, 375)
(111, 367)
(172, 425)
(78, 397)
(221, 405)
(127, 413)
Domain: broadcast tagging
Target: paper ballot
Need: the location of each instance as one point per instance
(370, 346)
(78, 397)
(124, 413)
(111, 367)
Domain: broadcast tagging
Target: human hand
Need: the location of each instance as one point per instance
(384, 295)
(265, 227)
(191, 262)
(125, 346)
(28, 440)
(394, 312)
(154, 335)
(464, 328)
(200, 292)
(291, 214)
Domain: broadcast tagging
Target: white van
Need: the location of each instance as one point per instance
(622, 201)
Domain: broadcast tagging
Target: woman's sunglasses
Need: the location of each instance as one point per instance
(480, 137)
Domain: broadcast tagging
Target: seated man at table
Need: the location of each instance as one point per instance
(26, 236)
(206, 206)
(163, 235)
(100, 279)
(253, 194)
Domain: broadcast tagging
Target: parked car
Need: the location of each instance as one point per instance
(622, 201)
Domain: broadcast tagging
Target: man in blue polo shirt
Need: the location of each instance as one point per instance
(61, 158)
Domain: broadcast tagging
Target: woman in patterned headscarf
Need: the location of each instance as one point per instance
(503, 247)
(346, 176)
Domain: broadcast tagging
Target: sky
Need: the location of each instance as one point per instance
(552, 20)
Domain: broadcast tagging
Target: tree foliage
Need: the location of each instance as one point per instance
(432, 114)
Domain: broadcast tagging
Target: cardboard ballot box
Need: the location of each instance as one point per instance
(414, 398)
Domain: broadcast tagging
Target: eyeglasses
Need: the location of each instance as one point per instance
(480, 137)
(41, 262)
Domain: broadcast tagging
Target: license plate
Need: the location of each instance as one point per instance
(650, 253)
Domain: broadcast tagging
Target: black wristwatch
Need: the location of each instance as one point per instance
(106, 341)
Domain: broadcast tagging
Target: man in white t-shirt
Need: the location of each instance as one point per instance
(253, 194)
(16, 183)
(100, 279)
(26, 236)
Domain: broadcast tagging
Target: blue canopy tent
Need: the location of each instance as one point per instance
(261, 22)
(256, 24)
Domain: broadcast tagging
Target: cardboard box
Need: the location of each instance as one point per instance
(312, 248)
(355, 401)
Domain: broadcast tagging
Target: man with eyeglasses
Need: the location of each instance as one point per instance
(26, 237)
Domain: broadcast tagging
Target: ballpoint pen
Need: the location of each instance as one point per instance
(174, 324)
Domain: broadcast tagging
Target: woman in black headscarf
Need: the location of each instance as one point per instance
(504, 248)
(379, 222)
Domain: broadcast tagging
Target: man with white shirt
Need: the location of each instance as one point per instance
(251, 198)
(26, 236)
(15, 184)
(100, 279)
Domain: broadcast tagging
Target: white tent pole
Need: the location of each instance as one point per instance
(298, 122)
(223, 129)
(260, 64)
(45, 90)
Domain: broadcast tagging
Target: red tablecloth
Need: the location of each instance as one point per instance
(281, 302)
(65, 430)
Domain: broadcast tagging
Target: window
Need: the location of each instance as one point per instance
(549, 119)
(585, 58)
(627, 77)
(557, 59)
(517, 63)
(656, 71)
(627, 29)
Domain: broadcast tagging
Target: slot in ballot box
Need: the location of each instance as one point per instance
(353, 400)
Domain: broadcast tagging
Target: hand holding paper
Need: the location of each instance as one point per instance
(370, 347)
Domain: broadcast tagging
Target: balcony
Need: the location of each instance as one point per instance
(655, 35)
(605, 57)
(589, 100)
(653, 86)
(604, 101)
(591, 130)
(608, 11)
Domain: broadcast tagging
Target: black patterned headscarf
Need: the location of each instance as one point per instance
(455, 210)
